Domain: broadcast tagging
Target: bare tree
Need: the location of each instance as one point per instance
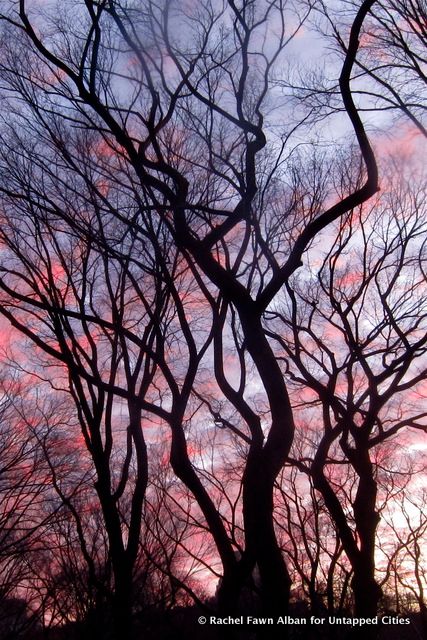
(353, 339)
(143, 176)
(310, 541)
(80, 309)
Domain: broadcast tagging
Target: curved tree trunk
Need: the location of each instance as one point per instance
(263, 465)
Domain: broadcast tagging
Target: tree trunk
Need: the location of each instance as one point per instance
(367, 593)
(263, 465)
(122, 606)
(261, 541)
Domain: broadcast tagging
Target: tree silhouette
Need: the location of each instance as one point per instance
(353, 333)
(156, 212)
